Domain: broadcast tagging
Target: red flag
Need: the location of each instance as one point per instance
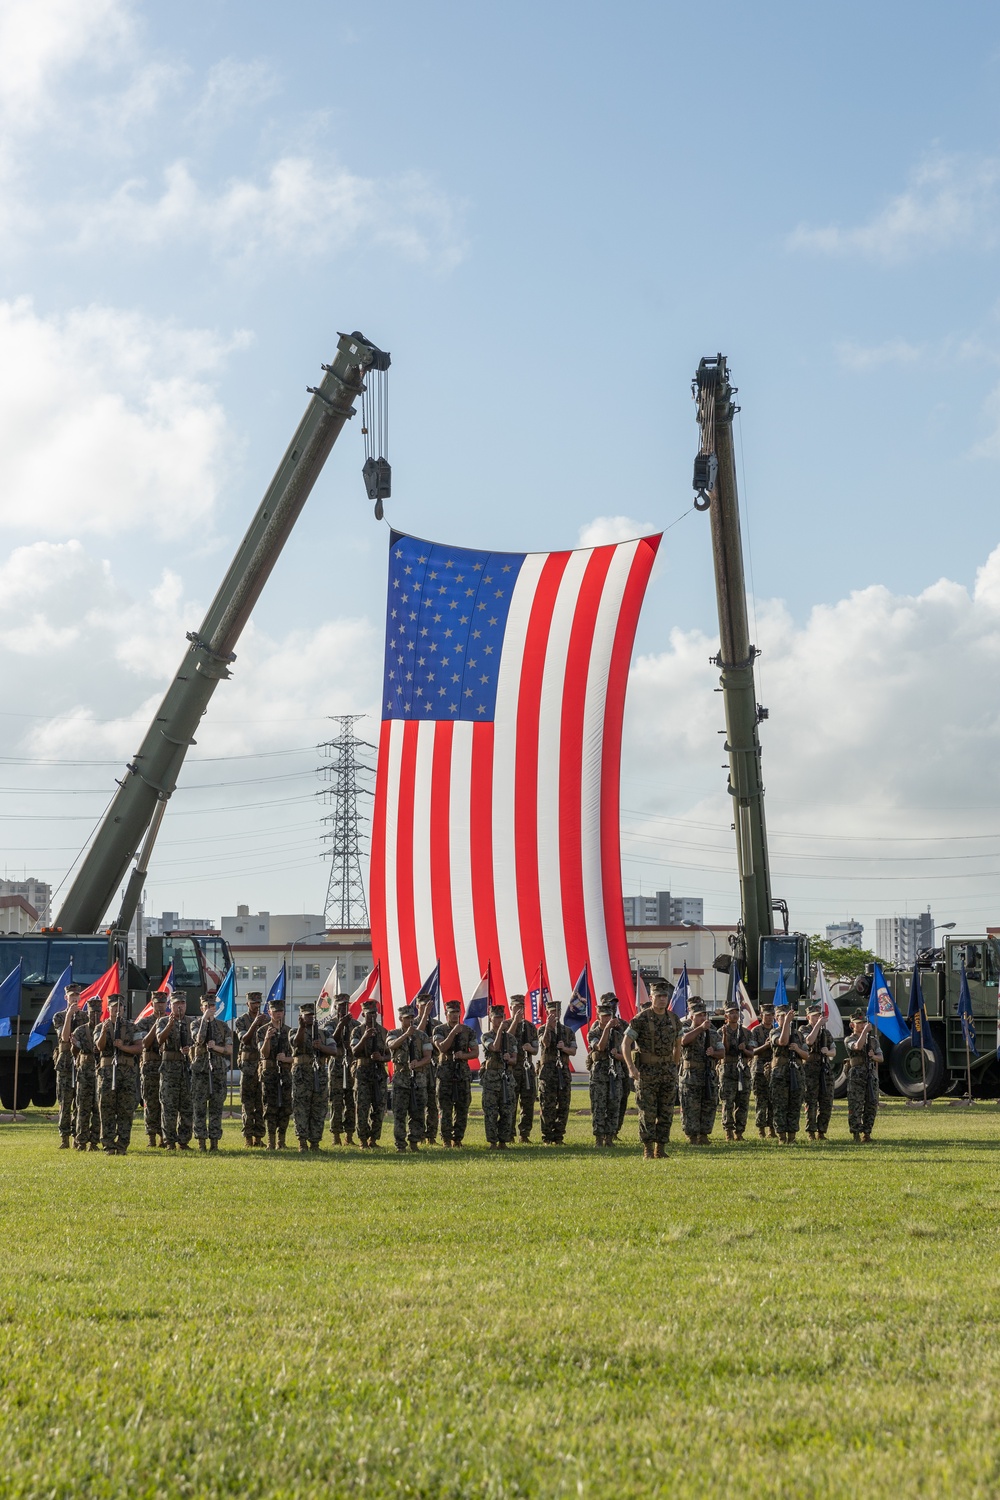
(370, 988)
(166, 988)
(108, 984)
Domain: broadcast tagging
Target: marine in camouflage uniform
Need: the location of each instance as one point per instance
(864, 1053)
(651, 1052)
(63, 1062)
(499, 1055)
(94, 1020)
(173, 1034)
(149, 1070)
(701, 1048)
(523, 1077)
(787, 1056)
(658, 986)
(818, 1074)
(79, 1033)
(371, 1053)
(555, 1082)
(311, 1046)
(343, 1031)
(604, 1059)
(734, 1084)
(425, 1004)
(211, 1051)
(760, 1072)
(118, 1048)
(410, 1050)
(247, 1032)
(276, 1076)
(456, 1046)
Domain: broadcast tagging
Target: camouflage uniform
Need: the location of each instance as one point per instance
(409, 1086)
(786, 1082)
(430, 1075)
(118, 1079)
(310, 1086)
(85, 1097)
(555, 1083)
(760, 1079)
(626, 1089)
(700, 1084)
(734, 1084)
(862, 1085)
(454, 1082)
(498, 1088)
(524, 1079)
(370, 1084)
(343, 1117)
(605, 1079)
(276, 1082)
(654, 1039)
(176, 1114)
(63, 1062)
(248, 1062)
(818, 1083)
(149, 1081)
(209, 1076)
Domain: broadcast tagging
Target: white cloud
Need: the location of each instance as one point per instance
(107, 421)
(299, 208)
(603, 530)
(857, 356)
(41, 40)
(231, 87)
(951, 200)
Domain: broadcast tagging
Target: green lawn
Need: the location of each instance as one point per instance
(743, 1320)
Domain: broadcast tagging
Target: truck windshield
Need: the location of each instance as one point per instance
(216, 957)
(46, 958)
(183, 954)
(783, 950)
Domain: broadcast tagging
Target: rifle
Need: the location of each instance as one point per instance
(114, 1059)
(413, 1077)
(505, 1079)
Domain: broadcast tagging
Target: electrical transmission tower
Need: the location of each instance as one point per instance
(345, 892)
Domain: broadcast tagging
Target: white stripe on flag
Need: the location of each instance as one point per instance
(459, 804)
(394, 955)
(504, 763)
(548, 751)
(593, 760)
(423, 911)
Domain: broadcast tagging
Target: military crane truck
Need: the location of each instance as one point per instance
(945, 1066)
(757, 948)
(129, 828)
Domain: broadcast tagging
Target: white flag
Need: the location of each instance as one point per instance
(831, 1013)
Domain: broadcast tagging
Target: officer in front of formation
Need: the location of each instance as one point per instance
(456, 1048)
(117, 1047)
(651, 1050)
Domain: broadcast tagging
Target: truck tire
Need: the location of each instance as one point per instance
(24, 1081)
(905, 1070)
(43, 1086)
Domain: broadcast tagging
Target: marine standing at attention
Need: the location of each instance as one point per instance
(276, 1076)
(499, 1055)
(78, 1032)
(117, 1047)
(819, 1073)
(734, 1086)
(149, 1070)
(555, 1082)
(211, 1050)
(760, 1072)
(343, 1030)
(410, 1050)
(864, 1053)
(787, 1057)
(701, 1049)
(65, 1083)
(173, 1033)
(651, 1050)
(524, 1080)
(371, 1053)
(425, 1022)
(456, 1046)
(247, 1035)
(604, 1059)
(311, 1047)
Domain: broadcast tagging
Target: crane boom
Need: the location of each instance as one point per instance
(715, 481)
(151, 777)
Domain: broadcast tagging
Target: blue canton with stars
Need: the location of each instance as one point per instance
(444, 628)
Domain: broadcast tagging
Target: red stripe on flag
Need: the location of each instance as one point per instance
(481, 838)
(376, 862)
(614, 709)
(581, 642)
(441, 904)
(529, 906)
(404, 866)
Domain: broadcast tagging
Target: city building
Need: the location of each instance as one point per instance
(662, 910)
(172, 921)
(847, 934)
(17, 915)
(37, 893)
(898, 940)
(308, 960)
(266, 929)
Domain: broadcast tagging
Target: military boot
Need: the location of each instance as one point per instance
(303, 1145)
(249, 1140)
(281, 1139)
(271, 1143)
(739, 1135)
(648, 1152)
(64, 1143)
(258, 1140)
(762, 1133)
(202, 1144)
(730, 1135)
(821, 1135)
(152, 1140)
(415, 1147)
(349, 1139)
(336, 1139)
(171, 1146)
(811, 1134)
(659, 1150)
(213, 1145)
(866, 1139)
(856, 1137)
(772, 1133)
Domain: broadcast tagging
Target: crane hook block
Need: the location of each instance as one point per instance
(377, 474)
(706, 467)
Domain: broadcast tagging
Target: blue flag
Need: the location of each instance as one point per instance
(679, 999)
(965, 1014)
(10, 998)
(578, 1009)
(916, 1015)
(780, 992)
(225, 997)
(431, 990)
(276, 992)
(56, 1001)
(883, 1011)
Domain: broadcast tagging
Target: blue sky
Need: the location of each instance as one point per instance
(547, 213)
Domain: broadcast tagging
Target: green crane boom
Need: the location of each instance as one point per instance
(134, 816)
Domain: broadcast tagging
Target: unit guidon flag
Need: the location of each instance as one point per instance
(495, 832)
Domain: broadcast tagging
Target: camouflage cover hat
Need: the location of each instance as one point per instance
(730, 1006)
(254, 995)
(277, 1005)
(308, 1005)
(814, 1006)
(517, 999)
(496, 1010)
(369, 1005)
(114, 999)
(658, 986)
(453, 1005)
(343, 996)
(401, 1010)
(73, 989)
(696, 1003)
(858, 1015)
(607, 1004)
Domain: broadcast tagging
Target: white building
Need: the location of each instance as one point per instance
(266, 929)
(662, 910)
(37, 893)
(308, 960)
(898, 940)
(17, 915)
(847, 934)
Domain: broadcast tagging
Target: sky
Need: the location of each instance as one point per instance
(547, 214)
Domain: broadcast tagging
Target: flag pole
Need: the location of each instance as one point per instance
(17, 1059)
(968, 1062)
(923, 1063)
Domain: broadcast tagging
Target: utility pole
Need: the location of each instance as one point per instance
(345, 892)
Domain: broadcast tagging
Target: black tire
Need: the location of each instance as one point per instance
(43, 1088)
(840, 1083)
(24, 1081)
(905, 1070)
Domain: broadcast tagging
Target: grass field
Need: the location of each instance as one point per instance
(749, 1320)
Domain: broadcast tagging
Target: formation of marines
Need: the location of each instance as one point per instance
(337, 1068)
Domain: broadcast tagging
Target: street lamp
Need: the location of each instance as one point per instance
(715, 953)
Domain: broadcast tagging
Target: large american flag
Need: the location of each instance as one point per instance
(495, 831)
